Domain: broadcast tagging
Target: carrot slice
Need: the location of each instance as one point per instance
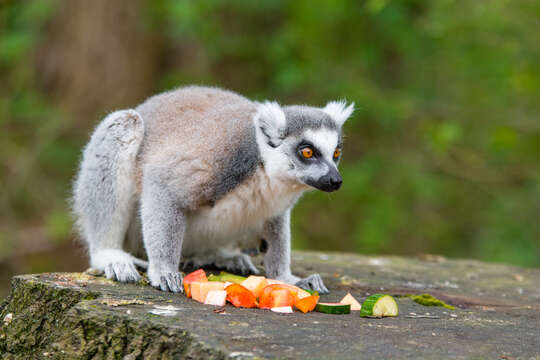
(200, 289)
(267, 300)
(255, 284)
(281, 298)
(197, 275)
(307, 304)
(239, 296)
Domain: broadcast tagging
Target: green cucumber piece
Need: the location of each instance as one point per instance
(226, 277)
(311, 292)
(333, 308)
(214, 277)
(379, 305)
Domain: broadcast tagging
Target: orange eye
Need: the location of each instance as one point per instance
(307, 152)
(337, 153)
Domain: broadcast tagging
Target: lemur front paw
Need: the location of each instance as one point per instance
(117, 265)
(122, 272)
(313, 282)
(166, 280)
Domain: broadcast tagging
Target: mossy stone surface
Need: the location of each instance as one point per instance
(73, 315)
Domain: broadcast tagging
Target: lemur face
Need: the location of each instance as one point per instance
(306, 141)
(315, 153)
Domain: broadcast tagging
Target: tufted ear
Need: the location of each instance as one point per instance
(339, 111)
(270, 119)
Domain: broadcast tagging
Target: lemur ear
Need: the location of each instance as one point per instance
(270, 118)
(339, 111)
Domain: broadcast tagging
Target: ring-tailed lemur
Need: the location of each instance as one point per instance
(197, 172)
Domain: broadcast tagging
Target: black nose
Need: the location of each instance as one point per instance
(330, 182)
(336, 182)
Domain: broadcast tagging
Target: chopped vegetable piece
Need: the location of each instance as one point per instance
(274, 281)
(282, 309)
(349, 299)
(197, 275)
(239, 296)
(214, 277)
(311, 292)
(333, 308)
(307, 304)
(268, 300)
(200, 289)
(282, 297)
(195, 289)
(303, 293)
(255, 284)
(226, 277)
(216, 297)
(378, 305)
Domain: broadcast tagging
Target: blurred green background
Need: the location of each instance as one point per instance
(442, 155)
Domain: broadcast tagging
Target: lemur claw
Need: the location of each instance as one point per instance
(313, 282)
(169, 281)
(122, 272)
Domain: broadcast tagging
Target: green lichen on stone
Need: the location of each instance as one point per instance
(65, 321)
(144, 280)
(429, 300)
(36, 309)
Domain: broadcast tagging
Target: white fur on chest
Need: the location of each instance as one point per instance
(238, 217)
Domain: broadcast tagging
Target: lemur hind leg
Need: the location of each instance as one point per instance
(133, 242)
(226, 259)
(163, 227)
(104, 193)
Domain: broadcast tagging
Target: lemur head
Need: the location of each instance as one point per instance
(302, 143)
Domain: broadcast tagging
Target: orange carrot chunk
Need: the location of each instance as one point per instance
(200, 289)
(255, 284)
(197, 275)
(307, 304)
(239, 296)
(268, 300)
(282, 297)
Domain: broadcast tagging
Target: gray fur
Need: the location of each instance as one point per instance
(194, 178)
(277, 261)
(163, 226)
(242, 164)
(232, 261)
(104, 191)
(301, 117)
(198, 129)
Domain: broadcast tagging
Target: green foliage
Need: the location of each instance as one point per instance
(442, 153)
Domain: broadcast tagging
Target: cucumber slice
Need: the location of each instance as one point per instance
(213, 277)
(379, 305)
(226, 277)
(311, 292)
(333, 308)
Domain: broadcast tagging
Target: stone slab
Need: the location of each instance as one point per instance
(74, 315)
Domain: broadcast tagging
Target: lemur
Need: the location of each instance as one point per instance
(197, 173)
